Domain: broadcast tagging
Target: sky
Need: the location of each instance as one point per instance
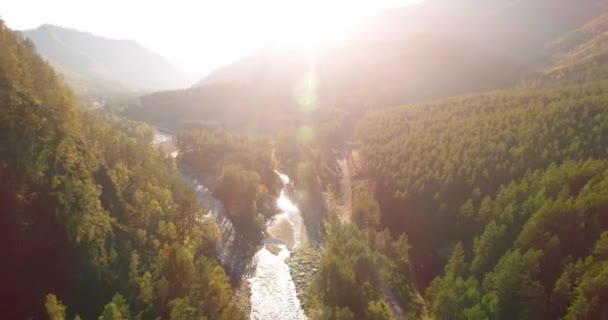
(199, 36)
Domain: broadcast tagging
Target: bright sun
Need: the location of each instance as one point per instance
(315, 22)
(311, 25)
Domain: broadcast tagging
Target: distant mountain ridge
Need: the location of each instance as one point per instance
(433, 49)
(580, 55)
(93, 63)
(437, 48)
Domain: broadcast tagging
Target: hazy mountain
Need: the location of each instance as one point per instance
(434, 49)
(580, 55)
(92, 63)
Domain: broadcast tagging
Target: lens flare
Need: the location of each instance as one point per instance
(306, 92)
(305, 134)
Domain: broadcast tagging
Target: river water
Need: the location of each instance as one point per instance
(161, 136)
(273, 292)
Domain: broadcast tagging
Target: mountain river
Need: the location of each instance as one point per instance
(273, 292)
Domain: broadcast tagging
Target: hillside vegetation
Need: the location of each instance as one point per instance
(241, 173)
(92, 216)
(580, 55)
(397, 57)
(449, 161)
(513, 184)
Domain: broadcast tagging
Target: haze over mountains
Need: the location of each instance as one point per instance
(443, 161)
(94, 64)
(434, 49)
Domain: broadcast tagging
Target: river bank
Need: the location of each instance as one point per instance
(270, 280)
(303, 266)
(240, 297)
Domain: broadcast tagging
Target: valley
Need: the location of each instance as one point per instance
(441, 160)
(266, 274)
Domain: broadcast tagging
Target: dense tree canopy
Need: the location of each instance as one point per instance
(432, 161)
(491, 205)
(359, 268)
(240, 171)
(513, 178)
(531, 260)
(89, 201)
(206, 152)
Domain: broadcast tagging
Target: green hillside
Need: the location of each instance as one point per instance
(580, 55)
(100, 210)
(445, 160)
(394, 58)
(515, 179)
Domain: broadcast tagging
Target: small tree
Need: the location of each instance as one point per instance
(54, 308)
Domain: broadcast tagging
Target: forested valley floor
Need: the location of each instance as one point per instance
(490, 205)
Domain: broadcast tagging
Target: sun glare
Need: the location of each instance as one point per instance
(309, 24)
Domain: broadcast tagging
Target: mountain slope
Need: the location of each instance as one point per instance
(515, 180)
(434, 49)
(91, 62)
(91, 215)
(580, 55)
